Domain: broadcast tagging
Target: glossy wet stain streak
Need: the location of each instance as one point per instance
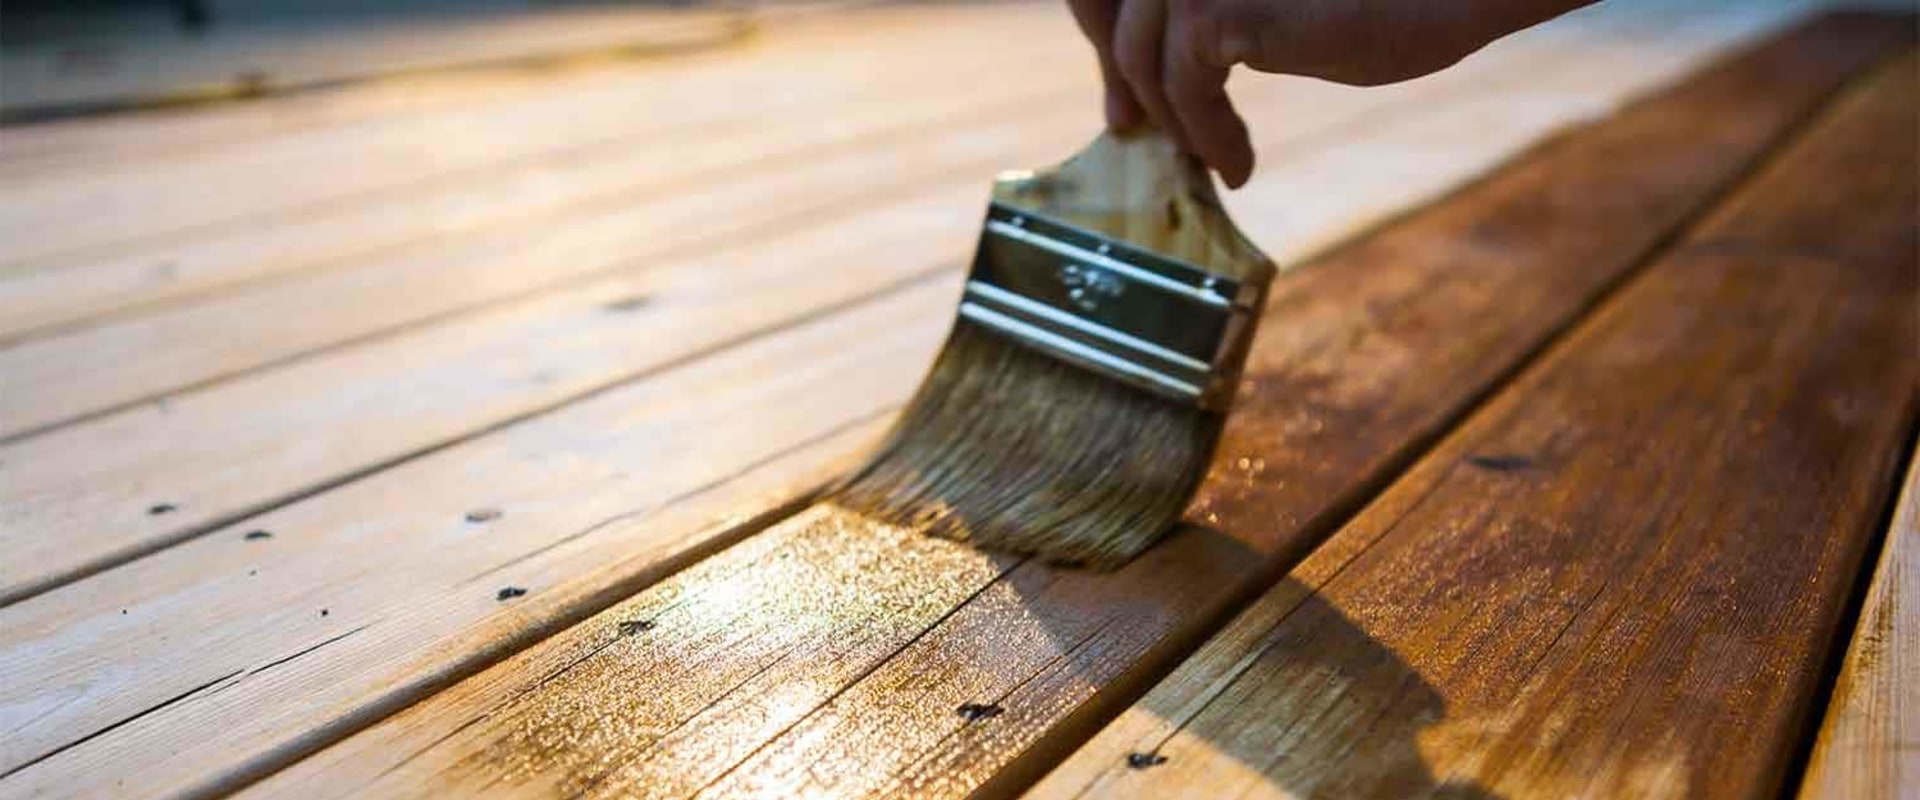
(662, 711)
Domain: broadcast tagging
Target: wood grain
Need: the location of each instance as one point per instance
(1869, 746)
(915, 233)
(829, 656)
(79, 499)
(89, 371)
(111, 142)
(171, 676)
(132, 66)
(348, 163)
(218, 634)
(85, 498)
(1620, 578)
(512, 200)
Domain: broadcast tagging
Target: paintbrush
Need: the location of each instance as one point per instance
(1075, 406)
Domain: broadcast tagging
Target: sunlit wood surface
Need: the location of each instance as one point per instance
(457, 435)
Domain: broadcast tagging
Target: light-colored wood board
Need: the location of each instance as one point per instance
(205, 450)
(90, 370)
(172, 676)
(828, 656)
(513, 203)
(355, 162)
(87, 497)
(1869, 745)
(136, 65)
(1620, 577)
(112, 141)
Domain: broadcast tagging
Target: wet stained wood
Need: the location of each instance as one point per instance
(1869, 747)
(829, 656)
(211, 454)
(1620, 578)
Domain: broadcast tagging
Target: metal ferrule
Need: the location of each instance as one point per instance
(1156, 323)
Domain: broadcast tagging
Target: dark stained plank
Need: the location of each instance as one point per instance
(1622, 577)
(1869, 746)
(832, 656)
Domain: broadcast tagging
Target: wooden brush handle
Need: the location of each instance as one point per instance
(1139, 188)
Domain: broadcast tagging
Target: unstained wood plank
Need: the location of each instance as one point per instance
(1869, 747)
(1621, 577)
(220, 660)
(131, 204)
(830, 656)
(84, 498)
(514, 199)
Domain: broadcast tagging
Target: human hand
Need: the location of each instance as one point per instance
(1165, 62)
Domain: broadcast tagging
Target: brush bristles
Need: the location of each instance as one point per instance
(1011, 450)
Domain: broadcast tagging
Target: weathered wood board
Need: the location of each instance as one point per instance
(830, 655)
(357, 161)
(1869, 747)
(637, 170)
(1620, 578)
(122, 63)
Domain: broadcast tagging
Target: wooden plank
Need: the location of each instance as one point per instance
(131, 65)
(91, 371)
(131, 205)
(115, 141)
(829, 656)
(85, 498)
(1869, 746)
(1621, 577)
(509, 204)
(80, 499)
(172, 676)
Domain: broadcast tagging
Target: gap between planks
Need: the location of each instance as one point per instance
(1869, 744)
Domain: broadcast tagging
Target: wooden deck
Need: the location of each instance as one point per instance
(458, 436)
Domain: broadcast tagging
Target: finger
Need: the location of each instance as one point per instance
(1096, 19)
(1137, 37)
(1196, 86)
